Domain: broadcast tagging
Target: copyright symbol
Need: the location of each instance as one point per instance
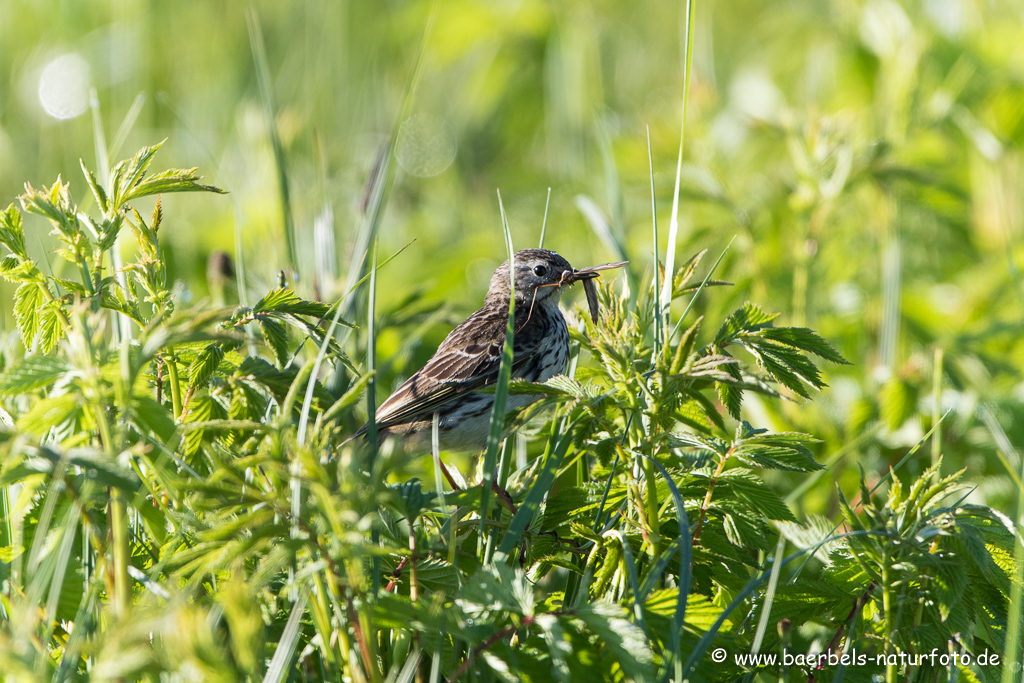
(718, 655)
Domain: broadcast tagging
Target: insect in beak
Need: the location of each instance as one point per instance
(587, 276)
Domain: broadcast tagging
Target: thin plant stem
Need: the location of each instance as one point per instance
(702, 515)
(890, 666)
(175, 384)
(937, 406)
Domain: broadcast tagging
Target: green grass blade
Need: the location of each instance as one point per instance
(371, 361)
(634, 582)
(673, 227)
(504, 375)
(259, 55)
(847, 645)
(607, 488)
(126, 125)
(657, 271)
(544, 224)
(769, 597)
(685, 561)
(286, 646)
(69, 530)
(534, 497)
(659, 566)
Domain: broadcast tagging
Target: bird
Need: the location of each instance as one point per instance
(470, 357)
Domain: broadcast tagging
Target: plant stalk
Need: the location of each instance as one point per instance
(172, 378)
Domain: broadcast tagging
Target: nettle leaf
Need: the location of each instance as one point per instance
(805, 340)
(201, 409)
(729, 394)
(171, 180)
(71, 286)
(685, 272)
(129, 180)
(54, 204)
(784, 451)
(28, 299)
(12, 234)
(749, 318)
(786, 366)
(16, 269)
(51, 326)
(286, 301)
(97, 189)
(745, 486)
(30, 374)
(127, 173)
(203, 367)
(277, 338)
(744, 531)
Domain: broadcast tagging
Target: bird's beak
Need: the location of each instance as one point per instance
(594, 271)
(579, 275)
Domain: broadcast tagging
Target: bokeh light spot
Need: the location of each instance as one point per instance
(427, 145)
(64, 86)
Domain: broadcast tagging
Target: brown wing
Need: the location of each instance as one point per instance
(468, 359)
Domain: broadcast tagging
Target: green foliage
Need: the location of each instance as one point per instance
(163, 515)
(866, 156)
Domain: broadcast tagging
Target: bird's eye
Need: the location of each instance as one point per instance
(540, 271)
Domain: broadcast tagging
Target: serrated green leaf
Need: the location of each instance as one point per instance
(202, 409)
(786, 366)
(12, 234)
(54, 204)
(730, 395)
(286, 301)
(51, 327)
(30, 374)
(277, 338)
(16, 269)
(129, 172)
(748, 318)
(745, 486)
(203, 367)
(171, 180)
(784, 451)
(97, 190)
(28, 299)
(805, 340)
(71, 285)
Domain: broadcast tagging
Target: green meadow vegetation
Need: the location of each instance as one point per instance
(796, 429)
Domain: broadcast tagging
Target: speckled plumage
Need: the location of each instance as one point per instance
(470, 356)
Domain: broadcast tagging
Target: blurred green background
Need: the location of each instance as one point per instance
(865, 155)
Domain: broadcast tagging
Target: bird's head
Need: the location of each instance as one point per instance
(539, 277)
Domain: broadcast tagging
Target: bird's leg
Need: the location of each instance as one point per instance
(504, 497)
(502, 494)
(448, 476)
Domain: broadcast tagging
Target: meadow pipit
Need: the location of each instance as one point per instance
(469, 358)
